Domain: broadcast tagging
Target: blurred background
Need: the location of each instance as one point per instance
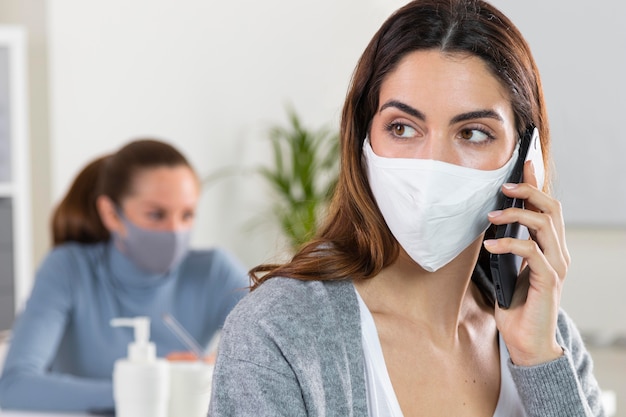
(213, 77)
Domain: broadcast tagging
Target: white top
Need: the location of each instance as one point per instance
(381, 398)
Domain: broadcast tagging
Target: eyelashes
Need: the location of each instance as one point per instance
(400, 130)
(471, 134)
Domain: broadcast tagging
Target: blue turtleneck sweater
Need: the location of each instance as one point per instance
(63, 347)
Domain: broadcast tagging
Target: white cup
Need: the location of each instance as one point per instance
(190, 388)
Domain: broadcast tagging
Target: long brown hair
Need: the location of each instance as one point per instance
(76, 217)
(355, 241)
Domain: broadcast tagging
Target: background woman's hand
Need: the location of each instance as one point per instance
(528, 326)
(186, 356)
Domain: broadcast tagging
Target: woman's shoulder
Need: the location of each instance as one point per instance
(292, 316)
(209, 265)
(73, 254)
(208, 255)
(287, 294)
(211, 257)
(66, 264)
(284, 303)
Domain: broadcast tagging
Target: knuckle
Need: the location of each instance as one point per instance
(533, 248)
(567, 258)
(555, 206)
(545, 221)
(564, 268)
(555, 280)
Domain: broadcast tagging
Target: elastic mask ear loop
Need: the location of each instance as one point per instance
(120, 212)
(120, 241)
(122, 217)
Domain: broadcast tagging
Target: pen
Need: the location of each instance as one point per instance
(183, 335)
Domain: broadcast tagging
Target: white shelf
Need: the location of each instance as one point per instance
(6, 190)
(15, 183)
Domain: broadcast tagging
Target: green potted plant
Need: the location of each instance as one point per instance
(302, 176)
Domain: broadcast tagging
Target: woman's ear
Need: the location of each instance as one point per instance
(108, 214)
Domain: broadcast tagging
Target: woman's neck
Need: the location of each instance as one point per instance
(126, 273)
(439, 302)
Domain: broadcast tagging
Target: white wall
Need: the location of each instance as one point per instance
(580, 48)
(212, 76)
(595, 287)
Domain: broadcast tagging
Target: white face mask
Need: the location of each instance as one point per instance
(434, 209)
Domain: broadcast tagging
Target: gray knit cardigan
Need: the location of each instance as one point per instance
(293, 348)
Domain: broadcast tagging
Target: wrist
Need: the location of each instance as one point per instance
(521, 358)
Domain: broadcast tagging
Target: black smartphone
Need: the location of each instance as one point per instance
(505, 267)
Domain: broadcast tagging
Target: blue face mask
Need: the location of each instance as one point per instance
(156, 251)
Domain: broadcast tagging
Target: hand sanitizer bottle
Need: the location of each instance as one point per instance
(140, 381)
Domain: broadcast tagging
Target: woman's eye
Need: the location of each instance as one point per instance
(188, 215)
(155, 215)
(474, 135)
(401, 130)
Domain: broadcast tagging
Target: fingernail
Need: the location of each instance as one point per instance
(489, 242)
(495, 213)
(510, 185)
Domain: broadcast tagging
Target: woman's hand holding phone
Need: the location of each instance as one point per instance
(528, 326)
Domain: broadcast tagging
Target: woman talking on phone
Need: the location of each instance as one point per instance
(121, 237)
(390, 310)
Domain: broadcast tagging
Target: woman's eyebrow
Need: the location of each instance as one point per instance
(403, 107)
(152, 205)
(478, 114)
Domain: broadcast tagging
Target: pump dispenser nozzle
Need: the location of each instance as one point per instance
(141, 350)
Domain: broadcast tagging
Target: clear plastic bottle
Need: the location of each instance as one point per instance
(140, 381)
